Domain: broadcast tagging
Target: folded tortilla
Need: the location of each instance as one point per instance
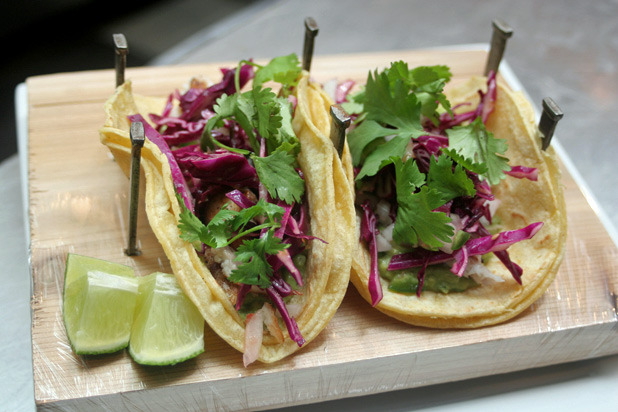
(522, 202)
(331, 210)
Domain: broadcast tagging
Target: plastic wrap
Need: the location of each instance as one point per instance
(78, 203)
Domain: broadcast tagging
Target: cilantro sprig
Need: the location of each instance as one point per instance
(393, 103)
(228, 226)
(264, 115)
(391, 110)
(255, 269)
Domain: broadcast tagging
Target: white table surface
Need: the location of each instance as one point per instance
(567, 50)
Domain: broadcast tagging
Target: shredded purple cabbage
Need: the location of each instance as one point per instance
(239, 198)
(240, 296)
(521, 172)
(474, 247)
(368, 234)
(342, 90)
(289, 321)
(196, 107)
(220, 167)
(286, 259)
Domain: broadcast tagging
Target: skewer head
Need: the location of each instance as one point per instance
(137, 134)
(501, 33)
(121, 51)
(311, 31)
(340, 121)
(549, 119)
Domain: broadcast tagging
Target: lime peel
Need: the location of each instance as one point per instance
(167, 328)
(98, 304)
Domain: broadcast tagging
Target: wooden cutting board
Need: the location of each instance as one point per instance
(78, 202)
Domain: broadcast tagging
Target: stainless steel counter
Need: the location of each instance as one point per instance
(567, 50)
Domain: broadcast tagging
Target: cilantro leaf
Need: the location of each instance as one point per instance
(267, 119)
(394, 101)
(478, 151)
(278, 174)
(269, 211)
(260, 113)
(450, 182)
(360, 137)
(439, 72)
(220, 228)
(386, 105)
(408, 176)
(191, 228)
(282, 69)
(393, 106)
(416, 221)
(382, 156)
(286, 131)
(426, 82)
(244, 114)
(255, 269)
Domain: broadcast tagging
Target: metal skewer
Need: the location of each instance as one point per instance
(311, 31)
(340, 121)
(137, 142)
(122, 49)
(549, 119)
(501, 33)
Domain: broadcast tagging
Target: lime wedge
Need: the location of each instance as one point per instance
(98, 304)
(168, 328)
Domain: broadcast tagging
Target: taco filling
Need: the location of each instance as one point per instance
(424, 173)
(246, 213)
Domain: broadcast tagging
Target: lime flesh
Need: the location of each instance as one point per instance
(167, 328)
(98, 304)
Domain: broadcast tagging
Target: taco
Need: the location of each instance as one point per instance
(461, 216)
(248, 199)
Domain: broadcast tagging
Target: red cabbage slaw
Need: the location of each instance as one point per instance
(469, 211)
(199, 176)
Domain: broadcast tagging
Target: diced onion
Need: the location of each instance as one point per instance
(382, 211)
(384, 238)
(254, 331)
(480, 274)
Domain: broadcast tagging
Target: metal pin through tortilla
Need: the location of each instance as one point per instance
(340, 121)
(549, 119)
(501, 32)
(137, 142)
(122, 49)
(311, 30)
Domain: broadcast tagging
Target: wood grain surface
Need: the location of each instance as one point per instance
(78, 202)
